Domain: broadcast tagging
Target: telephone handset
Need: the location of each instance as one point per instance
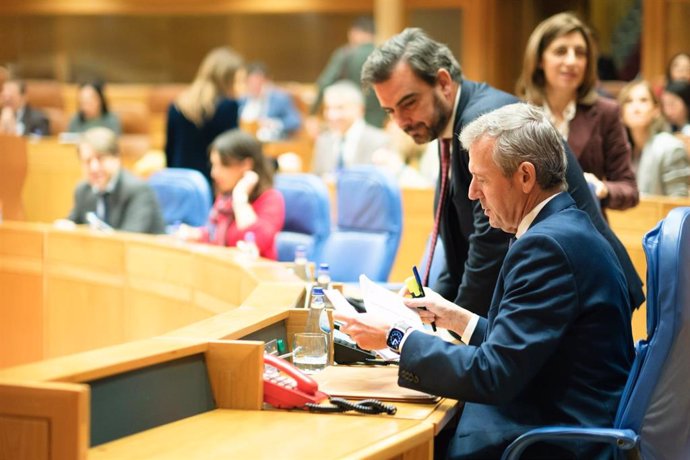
(287, 387)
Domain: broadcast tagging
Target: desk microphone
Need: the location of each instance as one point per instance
(97, 224)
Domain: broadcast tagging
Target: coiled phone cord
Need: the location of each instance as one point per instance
(367, 406)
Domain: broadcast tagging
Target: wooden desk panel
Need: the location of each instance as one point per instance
(13, 167)
(21, 285)
(255, 434)
(53, 173)
(70, 291)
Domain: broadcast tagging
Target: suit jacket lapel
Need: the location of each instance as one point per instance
(114, 202)
(558, 203)
(581, 128)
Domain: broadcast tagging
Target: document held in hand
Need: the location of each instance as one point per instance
(387, 304)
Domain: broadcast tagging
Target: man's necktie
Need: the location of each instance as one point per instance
(445, 166)
(340, 146)
(102, 206)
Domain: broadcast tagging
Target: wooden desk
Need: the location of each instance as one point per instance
(52, 396)
(223, 434)
(71, 291)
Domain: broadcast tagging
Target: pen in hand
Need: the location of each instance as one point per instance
(414, 285)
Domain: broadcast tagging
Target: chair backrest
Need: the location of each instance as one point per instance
(135, 117)
(656, 402)
(369, 227)
(183, 194)
(307, 215)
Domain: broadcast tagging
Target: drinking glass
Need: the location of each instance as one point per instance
(310, 351)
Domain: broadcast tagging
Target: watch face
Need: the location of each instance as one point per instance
(394, 338)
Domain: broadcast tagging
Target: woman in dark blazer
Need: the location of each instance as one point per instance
(559, 73)
(202, 112)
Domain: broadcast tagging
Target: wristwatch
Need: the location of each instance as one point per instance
(395, 336)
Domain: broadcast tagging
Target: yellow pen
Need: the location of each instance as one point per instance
(414, 285)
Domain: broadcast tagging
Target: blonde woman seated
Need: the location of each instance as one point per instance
(246, 200)
(659, 158)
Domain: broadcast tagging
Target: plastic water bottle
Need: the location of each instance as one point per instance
(316, 309)
(248, 246)
(301, 264)
(317, 323)
(323, 276)
(323, 280)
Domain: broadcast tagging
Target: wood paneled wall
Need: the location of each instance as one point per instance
(152, 41)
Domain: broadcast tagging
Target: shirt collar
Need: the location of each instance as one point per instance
(110, 187)
(448, 131)
(530, 216)
(568, 115)
(355, 130)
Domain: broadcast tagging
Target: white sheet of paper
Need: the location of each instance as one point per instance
(387, 304)
(340, 303)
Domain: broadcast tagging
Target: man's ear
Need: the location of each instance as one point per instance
(527, 176)
(444, 81)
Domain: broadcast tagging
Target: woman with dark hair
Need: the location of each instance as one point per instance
(678, 68)
(93, 110)
(559, 74)
(246, 201)
(675, 102)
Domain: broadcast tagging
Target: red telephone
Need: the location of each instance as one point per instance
(286, 387)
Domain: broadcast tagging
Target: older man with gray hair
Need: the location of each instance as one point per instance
(556, 346)
(114, 195)
(348, 139)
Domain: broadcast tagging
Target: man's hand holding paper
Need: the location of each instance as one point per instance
(439, 310)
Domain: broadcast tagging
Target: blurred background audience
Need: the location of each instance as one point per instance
(114, 195)
(17, 116)
(93, 110)
(265, 109)
(348, 139)
(346, 64)
(660, 161)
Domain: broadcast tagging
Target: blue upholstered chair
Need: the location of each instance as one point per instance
(652, 418)
(307, 215)
(183, 195)
(367, 235)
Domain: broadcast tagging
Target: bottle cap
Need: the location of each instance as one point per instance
(316, 290)
(323, 266)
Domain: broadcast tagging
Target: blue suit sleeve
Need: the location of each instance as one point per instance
(538, 304)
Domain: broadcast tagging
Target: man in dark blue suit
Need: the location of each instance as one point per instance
(419, 84)
(556, 346)
(271, 108)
